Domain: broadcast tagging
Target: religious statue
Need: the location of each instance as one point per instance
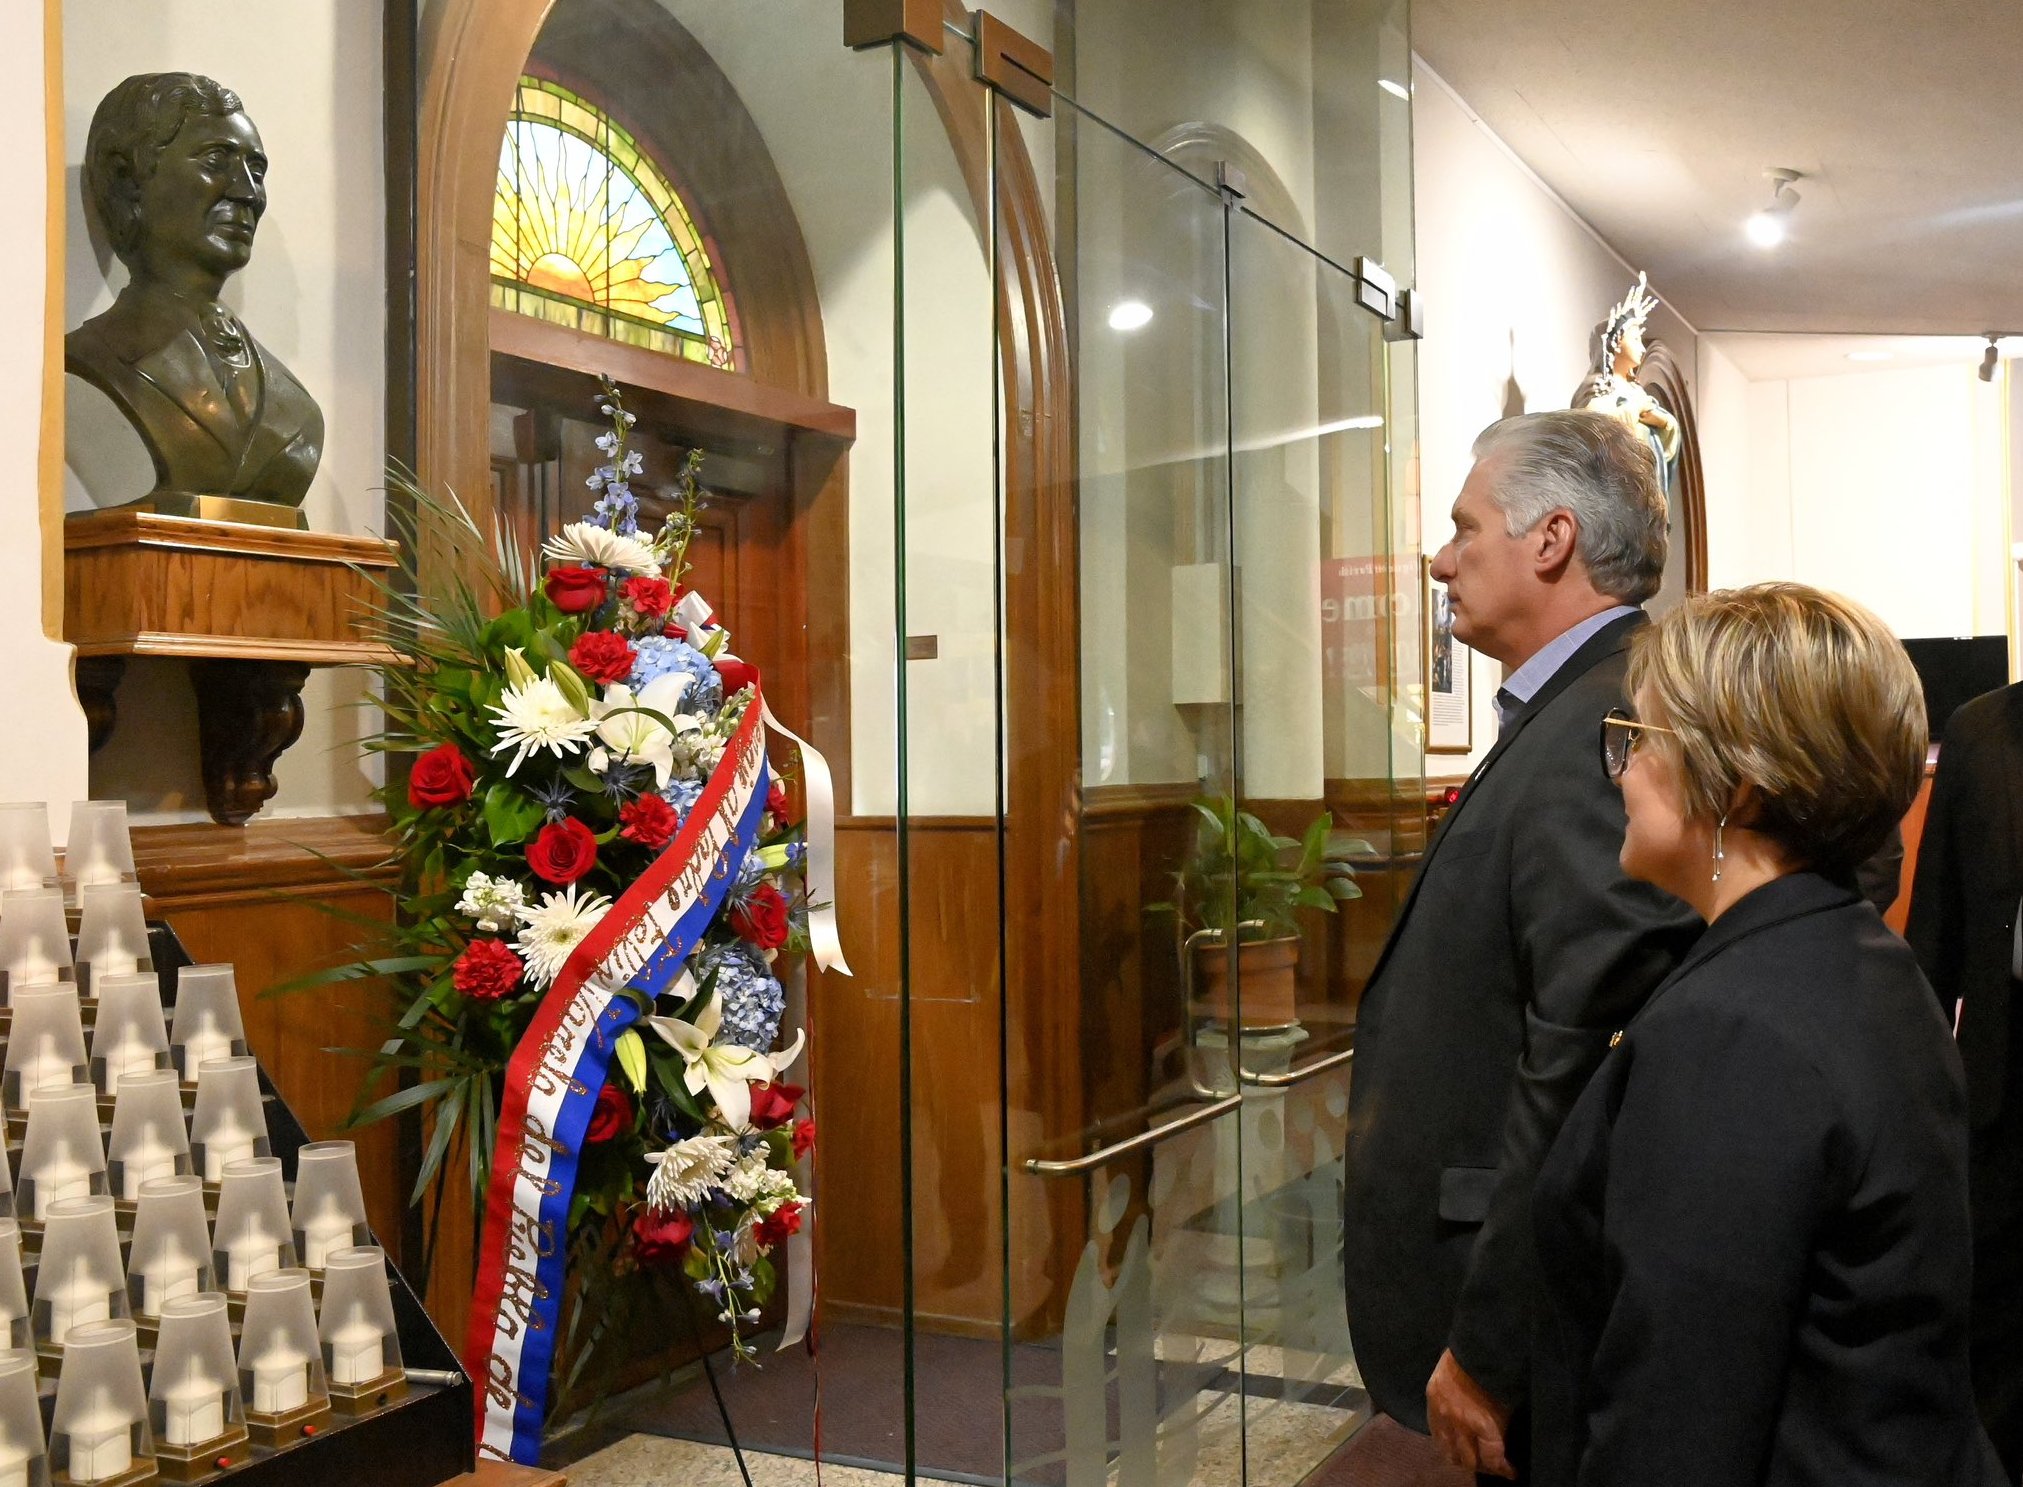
(1613, 387)
(176, 173)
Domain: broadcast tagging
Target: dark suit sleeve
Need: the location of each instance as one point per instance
(1590, 947)
(1724, 1155)
(1936, 927)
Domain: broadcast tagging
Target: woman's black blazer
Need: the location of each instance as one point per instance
(1753, 1227)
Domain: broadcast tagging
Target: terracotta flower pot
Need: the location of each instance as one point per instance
(1267, 974)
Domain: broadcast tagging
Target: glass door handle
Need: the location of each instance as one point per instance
(1284, 1078)
(1074, 1165)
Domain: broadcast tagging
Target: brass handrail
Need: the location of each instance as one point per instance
(1287, 1077)
(1071, 1166)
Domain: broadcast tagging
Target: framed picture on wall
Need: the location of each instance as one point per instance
(1449, 716)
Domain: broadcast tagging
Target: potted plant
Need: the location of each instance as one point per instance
(1244, 882)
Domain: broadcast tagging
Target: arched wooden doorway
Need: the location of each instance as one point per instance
(773, 445)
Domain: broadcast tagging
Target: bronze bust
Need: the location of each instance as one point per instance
(176, 173)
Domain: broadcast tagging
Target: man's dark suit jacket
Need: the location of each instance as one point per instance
(1969, 877)
(1962, 926)
(1521, 947)
(1754, 1225)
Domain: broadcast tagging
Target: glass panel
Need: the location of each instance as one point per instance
(1310, 99)
(1319, 626)
(1126, 1283)
(951, 774)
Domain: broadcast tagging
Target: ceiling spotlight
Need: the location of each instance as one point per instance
(1990, 357)
(1394, 88)
(1130, 314)
(1766, 228)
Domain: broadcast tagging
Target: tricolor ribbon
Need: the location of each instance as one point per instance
(641, 945)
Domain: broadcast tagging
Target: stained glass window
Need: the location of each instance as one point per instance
(588, 232)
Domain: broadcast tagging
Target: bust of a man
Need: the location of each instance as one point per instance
(177, 175)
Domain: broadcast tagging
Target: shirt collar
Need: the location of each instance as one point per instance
(1524, 683)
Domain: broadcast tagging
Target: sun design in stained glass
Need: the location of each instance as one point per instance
(588, 231)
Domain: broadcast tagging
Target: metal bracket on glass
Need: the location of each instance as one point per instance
(1074, 1165)
(1408, 323)
(869, 23)
(1375, 288)
(1231, 181)
(1016, 65)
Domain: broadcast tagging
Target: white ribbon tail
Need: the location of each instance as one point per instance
(825, 941)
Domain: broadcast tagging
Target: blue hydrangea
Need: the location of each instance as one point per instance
(682, 795)
(660, 655)
(752, 1001)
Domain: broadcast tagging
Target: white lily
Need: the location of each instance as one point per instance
(727, 1070)
(633, 737)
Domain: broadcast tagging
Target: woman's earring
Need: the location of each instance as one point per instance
(1720, 851)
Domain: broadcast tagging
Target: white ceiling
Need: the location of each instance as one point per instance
(1656, 124)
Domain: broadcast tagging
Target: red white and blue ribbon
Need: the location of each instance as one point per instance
(642, 943)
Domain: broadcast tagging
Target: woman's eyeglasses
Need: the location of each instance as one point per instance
(1621, 734)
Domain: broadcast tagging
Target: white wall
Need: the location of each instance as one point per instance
(1514, 284)
(1889, 486)
(42, 736)
(314, 295)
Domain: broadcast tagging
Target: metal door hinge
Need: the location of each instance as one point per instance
(1408, 322)
(1375, 288)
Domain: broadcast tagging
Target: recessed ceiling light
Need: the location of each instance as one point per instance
(1870, 355)
(1394, 88)
(1130, 314)
(1765, 229)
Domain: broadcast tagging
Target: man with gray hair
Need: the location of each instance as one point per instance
(1521, 947)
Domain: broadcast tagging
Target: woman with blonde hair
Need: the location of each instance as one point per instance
(1753, 1227)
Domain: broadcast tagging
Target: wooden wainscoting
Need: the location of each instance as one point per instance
(257, 896)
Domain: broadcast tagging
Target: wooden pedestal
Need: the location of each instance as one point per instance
(253, 608)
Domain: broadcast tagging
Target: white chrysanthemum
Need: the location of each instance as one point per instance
(535, 715)
(598, 547)
(687, 1170)
(493, 902)
(555, 928)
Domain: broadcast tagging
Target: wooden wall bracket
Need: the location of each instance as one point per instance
(255, 608)
(1014, 64)
(869, 23)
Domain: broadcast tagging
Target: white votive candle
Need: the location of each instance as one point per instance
(229, 1142)
(280, 1380)
(173, 1276)
(149, 1158)
(357, 1353)
(75, 1303)
(254, 1252)
(46, 1065)
(63, 1176)
(13, 1465)
(194, 1413)
(101, 1445)
(201, 1045)
(327, 1229)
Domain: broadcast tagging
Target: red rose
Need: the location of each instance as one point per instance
(649, 820)
(575, 590)
(442, 776)
(487, 970)
(661, 1238)
(804, 1137)
(762, 917)
(612, 1117)
(776, 802)
(773, 1104)
(774, 1228)
(649, 596)
(603, 657)
(563, 852)
(736, 674)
